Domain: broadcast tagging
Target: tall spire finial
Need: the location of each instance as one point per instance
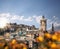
(43, 17)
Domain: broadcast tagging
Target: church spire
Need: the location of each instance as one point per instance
(52, 27)
(43, 17)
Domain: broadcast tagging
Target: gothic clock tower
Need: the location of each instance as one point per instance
(43, 24)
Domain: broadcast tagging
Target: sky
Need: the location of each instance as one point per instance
(29, 12)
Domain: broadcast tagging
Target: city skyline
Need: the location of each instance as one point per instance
(30, 11)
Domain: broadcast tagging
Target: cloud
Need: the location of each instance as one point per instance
(5, 15)
(52, 20)
(29, 19)
(14, 17)
(37, 18)
(54, 16)
(55, 21)
(11, 17)
(56, 24)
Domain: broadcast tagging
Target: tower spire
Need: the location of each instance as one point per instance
(52, 27)
(43, 17)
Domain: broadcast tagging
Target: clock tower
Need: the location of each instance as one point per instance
(43, 24)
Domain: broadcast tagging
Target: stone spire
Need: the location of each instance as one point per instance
(43, 17)
(52, 27)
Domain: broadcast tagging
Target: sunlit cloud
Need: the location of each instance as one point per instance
(37, 18)
(3, 22)
(11, 17)
(29, 19)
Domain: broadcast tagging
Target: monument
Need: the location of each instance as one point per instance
(43, 24)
